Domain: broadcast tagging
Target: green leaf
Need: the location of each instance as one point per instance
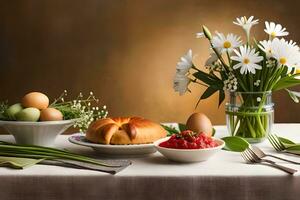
(294, 95)
(286, 82)
(293, 151)
(3, 110)
(170, 130)
(17, 162)
(213, 131)
(204, 77)
(221, 96)
(207, 93)
(293, 148)
(223, 75)
(285, 140)
(182, 127)
(234, 143)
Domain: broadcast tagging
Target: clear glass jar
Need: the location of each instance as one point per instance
(250, 115)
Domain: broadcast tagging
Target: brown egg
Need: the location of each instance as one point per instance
(199, 122)
(36, 100)
(51, 114)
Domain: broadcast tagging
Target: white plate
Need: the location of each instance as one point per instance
(114, 150)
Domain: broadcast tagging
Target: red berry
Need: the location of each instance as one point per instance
(189, 140)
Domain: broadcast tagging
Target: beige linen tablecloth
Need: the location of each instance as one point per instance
(224, 176)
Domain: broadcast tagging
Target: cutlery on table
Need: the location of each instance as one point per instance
(119, 165)
(252, 158)
(262, 154)
(278, 146)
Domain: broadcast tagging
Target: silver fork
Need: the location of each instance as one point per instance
(277, 144)
(262, 154)
(250, 157)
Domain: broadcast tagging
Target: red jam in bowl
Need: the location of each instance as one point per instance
(189, 140)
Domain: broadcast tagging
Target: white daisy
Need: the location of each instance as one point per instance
(185, 63)
(228, 43)
(213, 58)
(246, 24)
(286, 53)
(275, 30)
(247, 59)
(293, 44)
(266, 46)
(200, 35)
(181, 83)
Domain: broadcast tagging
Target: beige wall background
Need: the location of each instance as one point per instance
(124, 50)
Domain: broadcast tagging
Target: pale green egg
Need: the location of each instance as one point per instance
(28, 114)
(13, 110)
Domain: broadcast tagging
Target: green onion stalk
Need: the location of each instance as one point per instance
(47, 153)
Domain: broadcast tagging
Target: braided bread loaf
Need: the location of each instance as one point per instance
(124, 130)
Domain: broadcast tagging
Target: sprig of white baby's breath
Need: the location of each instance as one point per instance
(83, 110)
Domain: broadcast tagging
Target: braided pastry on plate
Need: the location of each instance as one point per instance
(124, 130)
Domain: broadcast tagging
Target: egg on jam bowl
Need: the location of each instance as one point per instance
(199, 122)
(189, 146)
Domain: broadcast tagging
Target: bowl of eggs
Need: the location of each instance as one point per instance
(34, 122)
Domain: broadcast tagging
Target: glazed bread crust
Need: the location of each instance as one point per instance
(124, 130)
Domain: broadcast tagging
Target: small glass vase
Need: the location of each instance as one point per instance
(250, 115)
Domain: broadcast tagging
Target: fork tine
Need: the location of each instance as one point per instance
(279, 142)
(274, 142)
(246, 158)
(249, 156)
(252, 153)
(253, 157)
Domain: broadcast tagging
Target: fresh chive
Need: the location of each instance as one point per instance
(32, 151)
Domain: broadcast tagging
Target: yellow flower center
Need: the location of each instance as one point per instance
(227, 44)
(282, 61)
(246, 61)
(273, 34)
(297, 71)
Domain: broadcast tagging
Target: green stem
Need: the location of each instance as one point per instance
(219, 57)
(44, 151)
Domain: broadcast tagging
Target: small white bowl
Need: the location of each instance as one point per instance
(188, 155)
(36, 133)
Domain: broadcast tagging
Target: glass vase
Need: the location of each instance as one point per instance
(250, 115)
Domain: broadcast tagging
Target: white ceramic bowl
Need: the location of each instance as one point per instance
(36, 133)
(188, 155)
